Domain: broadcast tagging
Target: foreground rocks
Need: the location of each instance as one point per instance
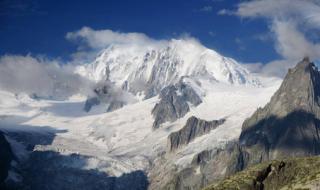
(194, 127)
(296, 173)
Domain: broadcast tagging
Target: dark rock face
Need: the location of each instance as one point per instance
(207, 167)
(193, 128)
(6, 156)
(170, 108)
(188, 93)
(174, 103)
(289, 124)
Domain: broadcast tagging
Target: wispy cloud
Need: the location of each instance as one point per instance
(290, 21)
(225, 12)
(103, 38)
(207, 8)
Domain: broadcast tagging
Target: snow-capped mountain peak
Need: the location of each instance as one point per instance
(149, 69)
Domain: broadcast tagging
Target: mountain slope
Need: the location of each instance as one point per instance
(288, 126)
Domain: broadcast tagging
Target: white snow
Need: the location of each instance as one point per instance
(123, 140)
(164, 65)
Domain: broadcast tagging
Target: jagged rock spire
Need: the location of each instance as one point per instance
(289, 124)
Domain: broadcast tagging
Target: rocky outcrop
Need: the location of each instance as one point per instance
(6, 156)
(193, 128)
(289, 124)
(296, 173)
(173, 103)
(207, 167)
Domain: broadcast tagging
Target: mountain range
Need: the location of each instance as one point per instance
(173, 115)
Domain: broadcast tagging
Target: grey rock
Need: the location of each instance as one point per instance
(189, 94)
(289, 124)
(207, 167)
(173, 105)
(193, 128)
(170, 108)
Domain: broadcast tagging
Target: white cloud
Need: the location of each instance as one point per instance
(98, 39)
(291, 43)
(225, 12)
(41, 77)
(91, 41)
(290, 21)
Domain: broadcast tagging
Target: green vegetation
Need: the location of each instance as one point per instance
(294, 173)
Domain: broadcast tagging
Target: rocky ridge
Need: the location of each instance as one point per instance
(174, 103)
(194, 127)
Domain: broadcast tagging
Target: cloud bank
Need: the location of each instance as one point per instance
(40, 77)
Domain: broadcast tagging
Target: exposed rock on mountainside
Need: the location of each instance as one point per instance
(193, 128)
(207, 167)
(6, 156)
(289, 124)
(173, 103)
(295, 173)
(106, 93)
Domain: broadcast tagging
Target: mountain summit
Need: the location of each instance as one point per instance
(289, 124)
(146, 70)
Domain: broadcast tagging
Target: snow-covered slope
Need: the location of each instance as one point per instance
(151, 68)
(123, 140)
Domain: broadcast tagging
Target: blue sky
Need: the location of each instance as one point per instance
(40, 27)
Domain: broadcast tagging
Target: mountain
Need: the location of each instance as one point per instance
(119, 136)
(146, 70)
(288, 125)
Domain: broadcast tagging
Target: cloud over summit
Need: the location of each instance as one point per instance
(103, 38)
